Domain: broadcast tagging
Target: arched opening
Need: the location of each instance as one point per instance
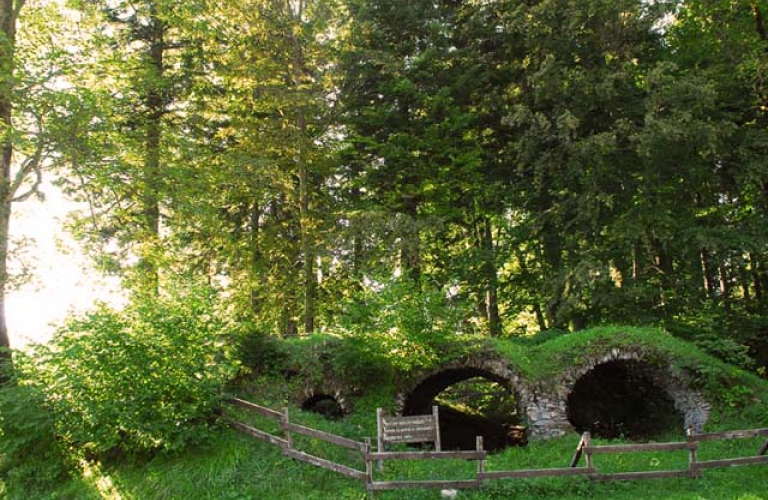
(471, 402)
(623, 398)
(324, 405)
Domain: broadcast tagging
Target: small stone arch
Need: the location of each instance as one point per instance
(312, 395)
(324, 405)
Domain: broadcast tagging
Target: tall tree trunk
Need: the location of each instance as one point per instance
(256, 258)
(491, 279)
(5, 217)
(152, 176)
(305, 221)
(756, 280)
(710, 281)
(664, 265)
(410, 247)
(540, 316)
(8, 15)
(725, 287)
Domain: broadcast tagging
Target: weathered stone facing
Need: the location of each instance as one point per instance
(547, 416)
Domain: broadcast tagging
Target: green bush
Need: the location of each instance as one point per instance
(140, 380)
(31, 456)
(404, 324)
(261, 353)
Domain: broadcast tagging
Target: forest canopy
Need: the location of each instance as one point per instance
(537, 164)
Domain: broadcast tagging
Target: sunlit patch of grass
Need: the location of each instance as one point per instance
(101, 482)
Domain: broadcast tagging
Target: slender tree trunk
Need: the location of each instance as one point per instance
(8, 15)
(755, 274)
(492, 281)
(305, 221)
(5, 216)
(637, 266)
(710, 281)
(540, 316)
(155, 102)
(256, 258)
(725, 287)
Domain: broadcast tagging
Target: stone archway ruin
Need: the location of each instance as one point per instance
(544, 407)
(551, 411)
(622, 399)
(459, 428)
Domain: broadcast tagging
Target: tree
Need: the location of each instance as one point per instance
(143, 59)
(30, 64)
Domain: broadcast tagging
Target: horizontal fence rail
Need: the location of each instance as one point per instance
(532, 473)
(461, 484)
(585, 449)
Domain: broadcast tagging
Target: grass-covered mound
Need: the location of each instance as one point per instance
(368, 371)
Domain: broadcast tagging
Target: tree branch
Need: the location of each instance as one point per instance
(32, 164)
(17, 10)
(760, 24)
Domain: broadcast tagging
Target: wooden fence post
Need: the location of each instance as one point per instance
(480, 462)
(380, 435)
(437, 429)
(368, 468)
(693, 469)
(587, 452)
(578, 452)
(284, 424)
(763, 450)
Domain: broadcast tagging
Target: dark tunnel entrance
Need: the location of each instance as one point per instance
(622, 399)
(325, 405)
(471, 403)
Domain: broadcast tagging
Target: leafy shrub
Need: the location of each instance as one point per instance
(143, 379)
(400, 322)
(261, 352)
(727, 350)
(31, 456)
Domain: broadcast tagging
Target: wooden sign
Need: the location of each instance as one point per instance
(410, 429)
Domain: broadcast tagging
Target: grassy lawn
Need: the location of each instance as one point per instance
(236, 467)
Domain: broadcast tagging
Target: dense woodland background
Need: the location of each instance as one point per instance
(392, 172)
(542, 164)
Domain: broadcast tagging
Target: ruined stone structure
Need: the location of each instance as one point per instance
(544, 405)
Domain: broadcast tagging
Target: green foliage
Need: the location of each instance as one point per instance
(400, 322)
(140, 380)
(261, 352)
(31, 455)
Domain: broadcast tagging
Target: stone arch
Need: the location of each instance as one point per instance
(329, 391)
(550, 411)
(417, 397)
(325, 405)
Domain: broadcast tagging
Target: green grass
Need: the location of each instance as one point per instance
(236, 467)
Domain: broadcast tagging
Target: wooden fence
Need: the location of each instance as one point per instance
(585, 449)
